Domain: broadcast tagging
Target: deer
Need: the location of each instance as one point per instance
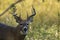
(20, 31)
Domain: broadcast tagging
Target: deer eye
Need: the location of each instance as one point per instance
(27, 24)
(21, 24)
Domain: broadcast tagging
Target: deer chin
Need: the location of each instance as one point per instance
(23, 33)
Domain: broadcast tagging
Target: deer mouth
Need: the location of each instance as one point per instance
(23, 33)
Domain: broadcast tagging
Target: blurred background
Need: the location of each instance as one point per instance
(46, 23)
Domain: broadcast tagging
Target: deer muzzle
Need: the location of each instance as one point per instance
(24, 31)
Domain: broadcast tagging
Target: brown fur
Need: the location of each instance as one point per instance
(10, 33)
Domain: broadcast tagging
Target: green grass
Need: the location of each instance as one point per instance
(46, 23)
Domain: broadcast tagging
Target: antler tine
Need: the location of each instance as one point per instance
(30, 18)
(33, 12)
(27, 15)
(20, 16)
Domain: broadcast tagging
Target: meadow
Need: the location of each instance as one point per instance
(46, 23)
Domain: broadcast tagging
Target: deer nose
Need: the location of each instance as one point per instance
(25, 29)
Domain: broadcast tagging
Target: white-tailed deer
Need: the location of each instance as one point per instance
(19, 32)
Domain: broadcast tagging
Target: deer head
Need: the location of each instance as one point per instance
(23, 24)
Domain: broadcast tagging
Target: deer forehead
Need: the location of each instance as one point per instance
(23, 21)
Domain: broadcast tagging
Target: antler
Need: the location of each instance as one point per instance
(30, 18)
(18, 19)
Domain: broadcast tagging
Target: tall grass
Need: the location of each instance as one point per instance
(45, 25)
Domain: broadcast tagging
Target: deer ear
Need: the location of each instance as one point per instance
(30, 19)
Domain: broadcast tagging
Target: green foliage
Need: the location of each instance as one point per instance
(45, 25)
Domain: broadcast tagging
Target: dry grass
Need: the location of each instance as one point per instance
(45, 22)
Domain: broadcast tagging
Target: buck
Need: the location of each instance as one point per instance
(19, 32)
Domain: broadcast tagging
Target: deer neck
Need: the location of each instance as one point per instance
(19, 36)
